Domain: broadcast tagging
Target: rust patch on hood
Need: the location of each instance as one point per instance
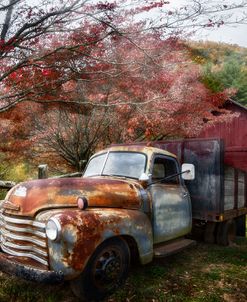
(33, 196)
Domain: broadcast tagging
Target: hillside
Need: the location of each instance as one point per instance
(224, 66)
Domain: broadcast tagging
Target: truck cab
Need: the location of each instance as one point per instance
(167, 199)
(130, 203)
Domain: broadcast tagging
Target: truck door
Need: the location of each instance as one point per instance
(171, 213)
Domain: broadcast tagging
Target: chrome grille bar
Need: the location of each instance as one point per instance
(29, 248)
(20, 254)
(25, 230)
(23, 237)
(22, 221)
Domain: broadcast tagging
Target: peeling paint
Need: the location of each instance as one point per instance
(83, 231)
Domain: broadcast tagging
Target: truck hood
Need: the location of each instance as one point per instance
(29, 198)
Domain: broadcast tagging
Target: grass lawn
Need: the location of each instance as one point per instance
(202, 273)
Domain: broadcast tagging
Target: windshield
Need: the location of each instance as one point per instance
(127, 164)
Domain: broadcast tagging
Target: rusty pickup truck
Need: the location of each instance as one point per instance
(130, 204)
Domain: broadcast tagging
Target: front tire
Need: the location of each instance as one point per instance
(106, 270)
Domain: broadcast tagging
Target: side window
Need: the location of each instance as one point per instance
(164, 167)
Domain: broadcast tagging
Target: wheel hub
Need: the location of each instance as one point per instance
(108, 268)
(111, 268)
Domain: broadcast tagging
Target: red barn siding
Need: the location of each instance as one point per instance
(234, 134)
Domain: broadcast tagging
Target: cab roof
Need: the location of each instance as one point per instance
(137, 148)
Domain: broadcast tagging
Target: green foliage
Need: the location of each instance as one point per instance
(225, 66)
(15, 171)
(232, 74)
(2, 194)
(211, 80)
(18, 172)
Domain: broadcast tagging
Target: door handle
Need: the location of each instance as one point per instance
(184, 194)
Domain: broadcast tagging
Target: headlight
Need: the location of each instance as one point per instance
(53, 229)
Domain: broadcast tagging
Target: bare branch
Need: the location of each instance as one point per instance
(7, 20)
(7, 6)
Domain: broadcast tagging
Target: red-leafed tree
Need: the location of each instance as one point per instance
(130, 93)
(109, 63)
(28, 29)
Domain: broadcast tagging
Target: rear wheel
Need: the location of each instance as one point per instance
(209, 232)
(105, 272)
(226, 232)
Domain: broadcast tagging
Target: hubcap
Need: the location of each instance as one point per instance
(108, 268)
(111, 268)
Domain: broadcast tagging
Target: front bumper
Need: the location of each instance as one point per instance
(10, 266)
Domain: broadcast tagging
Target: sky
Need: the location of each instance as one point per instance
(226, 34)
(235, 34)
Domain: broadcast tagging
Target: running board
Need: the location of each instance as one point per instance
(173, 247)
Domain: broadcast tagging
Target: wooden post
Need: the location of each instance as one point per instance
(43, 171)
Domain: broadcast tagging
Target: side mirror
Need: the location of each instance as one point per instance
(188, 171)
(144, 177)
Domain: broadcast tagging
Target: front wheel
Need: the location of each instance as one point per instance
(106, 270)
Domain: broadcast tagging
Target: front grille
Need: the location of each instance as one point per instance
(23, 238)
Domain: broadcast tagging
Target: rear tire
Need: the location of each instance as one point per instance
(226, 232)
(106, 271)
(209, 232)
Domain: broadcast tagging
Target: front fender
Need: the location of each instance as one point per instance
(83, 231)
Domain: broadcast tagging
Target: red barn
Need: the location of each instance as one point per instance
(234, 135)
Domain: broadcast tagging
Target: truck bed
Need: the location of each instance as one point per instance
(218, 191)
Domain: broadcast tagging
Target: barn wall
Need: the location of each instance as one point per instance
(234, 134)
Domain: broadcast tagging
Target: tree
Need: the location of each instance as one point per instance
(28, 30)
(224, 67)
(109, 64)
(139, 95)
(21, 47)
(232, 74)
(73, 134)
